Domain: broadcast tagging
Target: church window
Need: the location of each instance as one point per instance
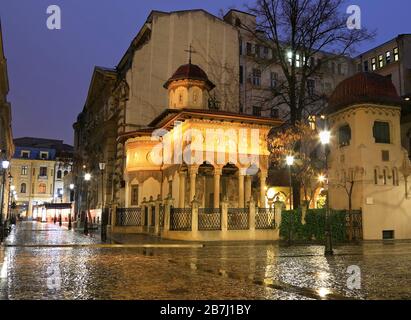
(381, 131)
(134, 195)
(344, 135)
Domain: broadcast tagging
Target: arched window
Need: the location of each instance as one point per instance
(65, 172)
(42, 188)
(59, 174)
(23, 188)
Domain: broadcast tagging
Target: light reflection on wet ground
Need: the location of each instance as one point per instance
(215, 271)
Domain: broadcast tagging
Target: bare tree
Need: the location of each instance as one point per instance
(298, 32)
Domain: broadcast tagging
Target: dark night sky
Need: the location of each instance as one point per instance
(49, 71)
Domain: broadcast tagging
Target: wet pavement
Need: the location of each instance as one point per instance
(43, 261)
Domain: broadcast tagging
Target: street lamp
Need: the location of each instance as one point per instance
(102, 167)
(87, 178)
(325, 138)
(5, 165)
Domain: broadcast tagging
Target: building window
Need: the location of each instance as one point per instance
(311, 87)
(257, 111)
(381, 131)
(312, 122)
(388, 57)
(380, 61)
(249, 49)
(274, 77)
(373, 64)
(42, 188)
(385, 154)
(388, 235)
(24, 170)
(241, 74)
(23, 188)
(275, 113)
(43, 172)
(44, 155)
(266, 53)
(134, 195)
(396, 54)
(375, 177)
(59, 174)
(344, 136)
(256, 77)
(366, 69)
(65, 173)
(257, 51)
(25, 154)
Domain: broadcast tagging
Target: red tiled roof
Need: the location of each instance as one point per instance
(190, 71)
(364, 87)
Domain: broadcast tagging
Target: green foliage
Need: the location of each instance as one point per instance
(314, 227)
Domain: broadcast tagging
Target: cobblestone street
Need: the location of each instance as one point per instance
(43, 261)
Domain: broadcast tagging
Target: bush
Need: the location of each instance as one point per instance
(314, 227)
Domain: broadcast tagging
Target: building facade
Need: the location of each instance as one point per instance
(366, 152)
(6, 139)
(38, 168)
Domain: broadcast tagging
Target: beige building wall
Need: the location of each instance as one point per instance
(163, 50)
(32, 180)
(379, 189)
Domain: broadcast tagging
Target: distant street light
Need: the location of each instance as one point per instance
(325, 138)
(71, 201)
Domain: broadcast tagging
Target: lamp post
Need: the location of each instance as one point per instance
(325, 138)
(4, 165)
(12, 191)
(102, 167)
(61, 193)
(71, 201)
(87, 178)
(290, 161)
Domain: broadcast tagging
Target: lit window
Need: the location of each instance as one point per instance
(373, 64)
(388, 57)
(312, 122)
(396, 54)
(380, 61)
(24, 170)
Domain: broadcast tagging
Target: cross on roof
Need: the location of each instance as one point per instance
(190, 51)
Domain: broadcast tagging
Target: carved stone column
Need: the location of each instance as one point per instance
(241, 174)
(193, 170)
(217, 177)
(263, 177)
(182, 190)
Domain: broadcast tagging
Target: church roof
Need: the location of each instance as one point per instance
(192, 72)
(364, 87)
